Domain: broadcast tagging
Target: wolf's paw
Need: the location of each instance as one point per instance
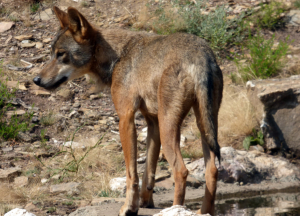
(147, 203)
(127, 211)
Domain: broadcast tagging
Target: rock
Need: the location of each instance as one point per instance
(247, 167)
(256, 148)
(87, 211)
(142, 137)
(27, 45)
(293, 17)
(56, 177)
(182, 140)
(44, 15)
(8, 149)
(44, 180)
(4, 26)
(65, 93)
(278, 102)
(40, 92)
(104, 200)
(76, 105)
(103, 121)
(23, 37)
(71, 188)
(118, 184)
(39, 45)
(30, 207)
(21, 181)
(75, 145)
(177, 210)
(93, 97)
(18, 212)
(9, 174)
(15, 112)
(161, 175)
(24, 137)
(167, 183)
(141, 159)
(47, 40)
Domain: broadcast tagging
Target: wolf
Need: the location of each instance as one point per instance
(163, 77)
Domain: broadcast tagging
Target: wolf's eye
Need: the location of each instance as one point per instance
(59, 54)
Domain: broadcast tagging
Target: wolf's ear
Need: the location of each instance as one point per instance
(62, 17)
(79, 26)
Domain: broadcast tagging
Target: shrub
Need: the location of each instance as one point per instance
(264, 60)
(269, 16)
(215, 27)
(34, 7)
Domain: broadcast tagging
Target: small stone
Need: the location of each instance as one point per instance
(4, 26)
(39, 45)
(178, 210)
(93, 97)
(103, 121)
(76, 105)
(44, 180)
(23, 37)
(56, 177)
(45, 15)
(65, 93)
(163, 174)
(118, 184)
(27, 45)
(35, 119)
(71, 188)
(30, 207)
(141, 160)
(24, 137)
(9, 174)
(21, 181)
(47, 40)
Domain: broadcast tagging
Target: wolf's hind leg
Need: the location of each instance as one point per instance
(153, 148)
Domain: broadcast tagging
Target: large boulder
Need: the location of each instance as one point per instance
(278, 102)
(248, 167)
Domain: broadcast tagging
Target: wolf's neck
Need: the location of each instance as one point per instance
(113, 44)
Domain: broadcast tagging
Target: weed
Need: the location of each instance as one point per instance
(84, 4)
(269, 16)
(13, 18)
(34, 7)
(297, 4)
(108, 193)
(48, 119)
(9, 128)
(68, 203)
(73, 165)
(51, 210)
(263, 60)
(257, 138)
(32, 172)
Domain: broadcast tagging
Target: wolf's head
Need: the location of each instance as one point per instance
(72, 50)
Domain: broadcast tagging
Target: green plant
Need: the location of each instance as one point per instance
(257, 138)
(264, 59)
(269, 16)
(13, 18)
(34, 7)
(48, 120)
(84, 4)
(10, 127)
(68, 203)
(51, 210)
(297, 4)
(214, 26)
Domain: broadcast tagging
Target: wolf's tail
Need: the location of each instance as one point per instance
(209, 96)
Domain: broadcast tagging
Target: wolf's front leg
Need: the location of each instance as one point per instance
(129, 145)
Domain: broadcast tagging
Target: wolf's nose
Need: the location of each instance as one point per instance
(37, 80)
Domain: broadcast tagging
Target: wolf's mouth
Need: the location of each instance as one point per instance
(56, 84)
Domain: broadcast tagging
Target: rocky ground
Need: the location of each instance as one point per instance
(40, 171)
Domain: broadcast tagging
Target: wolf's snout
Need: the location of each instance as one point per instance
(37, 80)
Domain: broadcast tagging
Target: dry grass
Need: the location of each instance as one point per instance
(237, 117)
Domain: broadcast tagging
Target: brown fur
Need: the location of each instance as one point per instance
(163, 77)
